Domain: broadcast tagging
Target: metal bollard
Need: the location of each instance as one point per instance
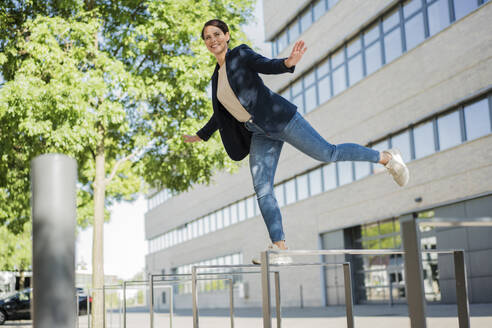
(413, 273)
(77, 310)
(194, 293)
(348, 295)
(265, 287)
(301, 297)
(120, 309)
(111, 310)
(231, 301)
(88, 309)
(124, 304)
(53, 186)
(276, 275)
(104, 306)
(171, 301)
(461, 289)
(151, 300)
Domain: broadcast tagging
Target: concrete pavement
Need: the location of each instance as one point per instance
(381, 316)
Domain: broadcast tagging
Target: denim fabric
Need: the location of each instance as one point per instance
(265, 152)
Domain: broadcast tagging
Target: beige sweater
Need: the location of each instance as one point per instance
(228, 99)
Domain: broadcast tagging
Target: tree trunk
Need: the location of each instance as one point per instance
(22, 280)
(97, 240)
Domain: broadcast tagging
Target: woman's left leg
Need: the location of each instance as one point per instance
(300, 134)
(263, 160)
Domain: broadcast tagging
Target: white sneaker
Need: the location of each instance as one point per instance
(274, 258)
(397, 168)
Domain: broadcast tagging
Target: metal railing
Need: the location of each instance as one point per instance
(177, 282)
(194, 273)
(265, 269)
(413, 270)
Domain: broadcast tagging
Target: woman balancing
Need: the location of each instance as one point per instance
(253, 119)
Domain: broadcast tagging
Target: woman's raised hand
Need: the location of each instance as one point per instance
(295, 56)
(194, 138)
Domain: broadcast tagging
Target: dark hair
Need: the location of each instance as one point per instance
(217, 23)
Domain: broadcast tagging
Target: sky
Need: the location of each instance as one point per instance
(125, 246)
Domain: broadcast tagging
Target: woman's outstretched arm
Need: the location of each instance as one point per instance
(296, 54)
(204, 133)
(188, 138)
(264, 65)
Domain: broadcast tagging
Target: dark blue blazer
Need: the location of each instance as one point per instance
(268, 110)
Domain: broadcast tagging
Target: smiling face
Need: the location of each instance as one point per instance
(215, 39)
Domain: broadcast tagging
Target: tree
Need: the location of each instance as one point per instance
(15, 251)
(113, 84)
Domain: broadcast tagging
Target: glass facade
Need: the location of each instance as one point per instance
(212, 284)
(378, 276)
(381, 278)
(158, 198)
(404, 27)
(314, 11)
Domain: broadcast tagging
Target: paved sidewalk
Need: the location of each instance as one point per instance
(438, 316)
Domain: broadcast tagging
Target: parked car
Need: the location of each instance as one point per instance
(17, 305)
(82, 297)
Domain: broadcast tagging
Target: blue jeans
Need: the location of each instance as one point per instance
(265, 152)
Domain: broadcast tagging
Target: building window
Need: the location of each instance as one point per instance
(392, 45)
(250, 207)
(414, 30)
(315, 182)
(345, 174)
(290, 191)
(391, 20)
(213, 222)
(195, 229)
(373, 58)
(329, 176)
(423, 136)
(314, 11)
(200, 227)
(302, 187)
(449, 130)
(234, 217)
(339, 77)
(206, 225)
(464, 7)
(212, 284)
(282, 41)
(310, 91)
(402, 142)
(477, 119)
(324, 87)
(279, 194)
(354, 54)
(297, 95)
(355, 69)
(241, 207)
(306, 19)
(378, 276)
(362, 169)
(220, 219)
(411, 6)
(293, 33)
(319, 9)
(227, 216)
(380, 146)
(438, 15)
